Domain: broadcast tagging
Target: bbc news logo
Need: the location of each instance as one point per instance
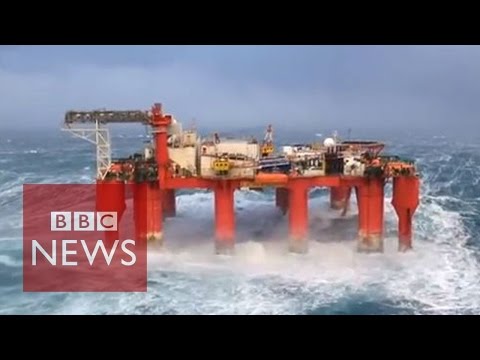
(78, 248)
(83, 221)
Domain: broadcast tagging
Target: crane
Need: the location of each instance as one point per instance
(267, 146)
(91, 126)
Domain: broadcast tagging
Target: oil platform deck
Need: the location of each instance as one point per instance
(181, 159)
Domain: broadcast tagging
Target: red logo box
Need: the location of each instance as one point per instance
(72, 243)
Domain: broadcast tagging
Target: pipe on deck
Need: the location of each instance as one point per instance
(270, 179)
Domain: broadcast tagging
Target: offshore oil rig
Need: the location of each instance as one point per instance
(181, 159)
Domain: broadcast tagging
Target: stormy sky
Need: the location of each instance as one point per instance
(421, 87)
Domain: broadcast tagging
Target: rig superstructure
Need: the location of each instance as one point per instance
(178, 159)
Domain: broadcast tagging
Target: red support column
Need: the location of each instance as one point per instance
(298, 217)
(224, 217)
(160, 124)
(370, 198)
(347, 202)
(281, 199)
(155, 216)
(147, 204)
(169, 203)
(406, 192)
(362, 203)
(140, 211)
(110, 196)
(339, 197)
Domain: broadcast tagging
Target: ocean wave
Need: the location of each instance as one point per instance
(9, 261)
(440, 276)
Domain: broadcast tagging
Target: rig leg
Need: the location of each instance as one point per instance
(281, 199)
(148, 213)
(370, 198)
(140, 211)
(169, 203)
(224, 218)
(362, 212)
(339, 197)
(347, 202)
(298, 217)
(405, 201)
(155, 216)
(110, 196)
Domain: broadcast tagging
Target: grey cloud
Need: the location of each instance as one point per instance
(313, 87)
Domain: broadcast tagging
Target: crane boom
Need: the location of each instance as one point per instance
(91, 126)
(107, 116)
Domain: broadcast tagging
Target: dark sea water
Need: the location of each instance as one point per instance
(441, 275)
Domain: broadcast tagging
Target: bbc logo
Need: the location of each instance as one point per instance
(83, 221)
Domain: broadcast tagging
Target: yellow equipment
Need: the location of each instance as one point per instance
(267, 149)
(221, 166)
(267, 146)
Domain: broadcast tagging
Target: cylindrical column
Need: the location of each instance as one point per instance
(406, 192)
(169, 203)
(155, 216)
(160, 123)
(347, 202)
(298, 217)
(404, 229)
(281, 199)
(362, 203)
(140, 211)
(147, 204)
(371, 210)
(110, 197)
(224, 217)
(339, 197)
(155, 202)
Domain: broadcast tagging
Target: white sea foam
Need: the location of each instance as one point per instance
(439, 276)
(9, 261)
